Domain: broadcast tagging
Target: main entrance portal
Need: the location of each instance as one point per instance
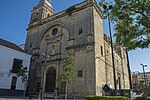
(50, 80)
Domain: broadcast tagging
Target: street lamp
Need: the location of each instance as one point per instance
(144, 74)
(112, 49)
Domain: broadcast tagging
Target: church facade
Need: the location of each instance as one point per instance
(78, 31)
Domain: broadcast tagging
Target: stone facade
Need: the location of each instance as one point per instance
(78, 31)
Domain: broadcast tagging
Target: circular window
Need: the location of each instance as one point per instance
(54, 31)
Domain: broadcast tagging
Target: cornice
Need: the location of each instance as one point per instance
(77, 7)
(80, 45)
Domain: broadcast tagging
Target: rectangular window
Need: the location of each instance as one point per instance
(102, 50)
(107, 51)
(38, 85)
(134, 84)
(119, 79)
(63, 87)
(16, 65)
(13, 83)
(30, 45)
(79, 73)
(80, 31)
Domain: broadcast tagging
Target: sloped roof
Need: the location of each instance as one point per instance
(10, 45)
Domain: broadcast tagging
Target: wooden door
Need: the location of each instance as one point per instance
(50, 80)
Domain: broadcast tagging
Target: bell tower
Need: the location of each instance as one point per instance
(91, 1)
(43, 10)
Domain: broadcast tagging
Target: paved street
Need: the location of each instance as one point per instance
(34, 99)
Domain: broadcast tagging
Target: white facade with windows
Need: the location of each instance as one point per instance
(7, 56)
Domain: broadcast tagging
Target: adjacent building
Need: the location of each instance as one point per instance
(138, 80)
(11, 57)
(77, 31)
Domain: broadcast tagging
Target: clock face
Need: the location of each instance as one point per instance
(54, 31)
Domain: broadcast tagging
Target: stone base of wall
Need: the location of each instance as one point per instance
(11, 93)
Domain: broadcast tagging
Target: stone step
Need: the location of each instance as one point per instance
(49, 95)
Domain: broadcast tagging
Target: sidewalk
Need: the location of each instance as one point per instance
(34, 99)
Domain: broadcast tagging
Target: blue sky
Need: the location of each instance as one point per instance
(15, 16)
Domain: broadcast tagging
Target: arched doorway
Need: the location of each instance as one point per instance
(50, 80)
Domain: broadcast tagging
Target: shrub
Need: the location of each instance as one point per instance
(142, 98)
(107, 98)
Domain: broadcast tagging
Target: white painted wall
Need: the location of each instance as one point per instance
(7, 56)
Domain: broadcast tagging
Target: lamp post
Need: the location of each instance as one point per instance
(144, 74)
(112, 49)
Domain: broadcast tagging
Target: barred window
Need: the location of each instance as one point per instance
(38, 85)
(63, 87)
(16, 65)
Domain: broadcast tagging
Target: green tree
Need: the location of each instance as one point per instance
(69, 72)
(131, 20)
(141, 86)
(23, 74)
(24, 77)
